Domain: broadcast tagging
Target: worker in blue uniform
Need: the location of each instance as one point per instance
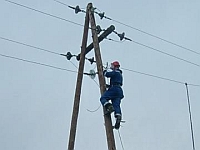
(114, 92)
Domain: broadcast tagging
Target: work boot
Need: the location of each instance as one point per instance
(109, 108)
(118, 120)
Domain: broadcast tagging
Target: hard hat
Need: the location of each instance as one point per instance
(116, 64)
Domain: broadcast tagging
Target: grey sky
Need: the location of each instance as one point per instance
(36, 101)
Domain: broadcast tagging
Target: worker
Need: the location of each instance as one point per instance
(113, 93)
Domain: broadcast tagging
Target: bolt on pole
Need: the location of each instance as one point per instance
(78, 85)
(107, 118)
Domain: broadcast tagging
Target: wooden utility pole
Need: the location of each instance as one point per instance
(107, 118)
(78, 85)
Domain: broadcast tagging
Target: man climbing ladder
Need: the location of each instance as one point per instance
(114, 92)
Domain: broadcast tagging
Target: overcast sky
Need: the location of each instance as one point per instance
(36, 101)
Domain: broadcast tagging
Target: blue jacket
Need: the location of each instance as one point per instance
(115, 77)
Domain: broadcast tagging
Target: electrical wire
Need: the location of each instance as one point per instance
(28, 45)
(73, 64)
(42, 49)
(77, 68)
(46, 50)
(50, 66)
(95, 110)
(152, 35)
(130, 40)
(120, 138)
(157, 37)
(123, 38)
(163, 78)
(38, 48)
(80, 10)
(166, 53)
(38, 63)
(82, 25)
(48, 14)
(144, 32)
(62, 3)
(190, 116)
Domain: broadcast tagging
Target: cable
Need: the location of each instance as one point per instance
(77, 8)
(120, 138)
(144, 32)
(73, 64)
(166, 53)
(190, 115)
(76, 66)
(141, 31)
(62, 3)
(156, 37)
(33, 62)
(82, 25)
(122, 37)
(44, 13)
(50, 66)
(110, 39)
(163, 78)
(95, 110)
(42, 49)
(102, 15)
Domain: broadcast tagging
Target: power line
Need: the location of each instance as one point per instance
(48, 14)
(190, 116)
(28, 45)
(166, 53)
(50, 66)
(46, 65)
(122, 37)
(42, 49)
(38, 63)
(62, 3)
(46, 50)
(102, 15)
(163, 78)
(82, 25)
(77, 8)
(146, 45)
(73, 64)
(34, 62)
(152, 35)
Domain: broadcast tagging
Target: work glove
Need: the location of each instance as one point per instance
(104, 72)
(108, 86)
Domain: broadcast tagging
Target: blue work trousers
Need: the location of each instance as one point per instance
(115, 94)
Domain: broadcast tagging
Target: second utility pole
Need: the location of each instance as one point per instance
(78, 85)
(107, 118)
